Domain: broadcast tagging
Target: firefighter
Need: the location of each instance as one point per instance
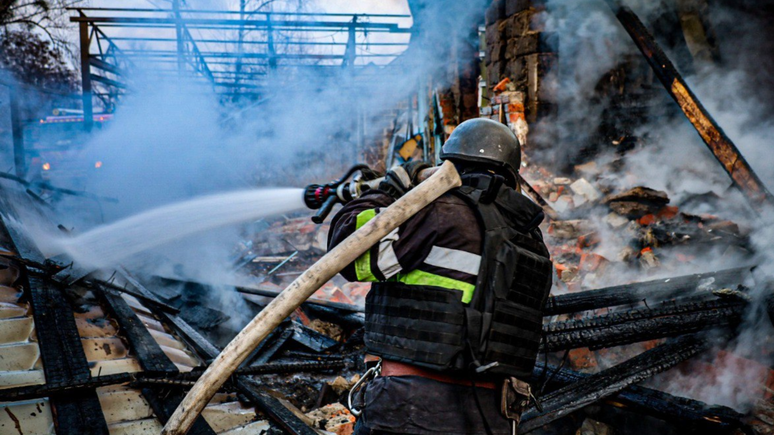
(454, 315)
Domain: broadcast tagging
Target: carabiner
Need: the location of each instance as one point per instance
(367, 376)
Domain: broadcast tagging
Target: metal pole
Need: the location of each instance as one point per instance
(86, 91)
(423, 117)
(17, 130)
(179, 36)
(270, 39)
(241, 38)
(351, 51)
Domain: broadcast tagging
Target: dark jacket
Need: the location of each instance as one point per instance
(439, 247)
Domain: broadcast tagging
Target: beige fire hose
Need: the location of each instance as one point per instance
(302, 288)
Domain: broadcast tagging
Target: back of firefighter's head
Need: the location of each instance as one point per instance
(481, 144)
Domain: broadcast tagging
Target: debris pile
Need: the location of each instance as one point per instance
(287, 247)
(602, 230)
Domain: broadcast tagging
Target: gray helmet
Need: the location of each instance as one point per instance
(481, 140)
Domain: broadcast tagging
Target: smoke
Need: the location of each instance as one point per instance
(669, 155)
(173, 139)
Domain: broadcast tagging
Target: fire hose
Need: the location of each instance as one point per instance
(443, 179)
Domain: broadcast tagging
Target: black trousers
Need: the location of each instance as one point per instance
(361, 429)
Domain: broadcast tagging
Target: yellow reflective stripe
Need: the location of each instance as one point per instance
(418, 277)
(363, 263)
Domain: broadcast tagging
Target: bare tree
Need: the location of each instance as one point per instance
(43, 15)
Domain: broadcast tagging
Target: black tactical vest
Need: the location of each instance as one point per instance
(431, 327)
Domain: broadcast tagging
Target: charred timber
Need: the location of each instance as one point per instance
(164, 405)
(149, 354)
(206, 350)
(280, 414)
(688, 414)
(716, 139)
(33, 392)
(152, 359)
(143, 297)
(334, 315)
(187, 379)
(270, 346)
(659, 289)
(64, 361)
(608, 382)
(634, 326)
(293, 367)
(277, 412)
(312, 356)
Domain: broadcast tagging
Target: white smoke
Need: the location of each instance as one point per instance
(670, 156)
(173, 139)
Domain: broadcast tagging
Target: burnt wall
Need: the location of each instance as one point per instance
(518, 49)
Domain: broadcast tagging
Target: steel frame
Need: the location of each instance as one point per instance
(233, 67)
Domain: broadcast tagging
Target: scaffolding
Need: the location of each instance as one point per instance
(233, 52)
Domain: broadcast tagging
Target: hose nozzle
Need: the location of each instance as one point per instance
(325, 196)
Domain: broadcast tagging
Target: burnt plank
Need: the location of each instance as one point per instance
(721, 146)
(654, 290)
(79, 413)
(691, 415)
(64, 361)
(152, 359)
(278, 413)
(144, 293)
(270, 345)
(192, 337)
(149, 354)
(639, 325)
(164, 405)
(141, 296)
(39, 391)
(60, 344)
(293, 367)
(608, 382)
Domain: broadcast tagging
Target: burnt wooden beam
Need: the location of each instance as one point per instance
(655, 290)
(691, 415)
(634, 326)
(152, 359)
(577, 395)
(289, 422)
(275, 410)
(149, 354)
(269, 347)
(64, 361)
(345, 319)
(163, 405)
(151, 301)
(206, 350)
(717, 141)
(293, 367)
(39, 391)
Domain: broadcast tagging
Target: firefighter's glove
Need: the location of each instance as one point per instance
(400, 179)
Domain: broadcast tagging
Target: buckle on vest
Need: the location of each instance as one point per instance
(516, 395)
(367, 376)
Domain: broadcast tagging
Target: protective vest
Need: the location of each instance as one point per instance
(431, 327)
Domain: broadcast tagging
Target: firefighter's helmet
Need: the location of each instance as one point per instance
(483, 141)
